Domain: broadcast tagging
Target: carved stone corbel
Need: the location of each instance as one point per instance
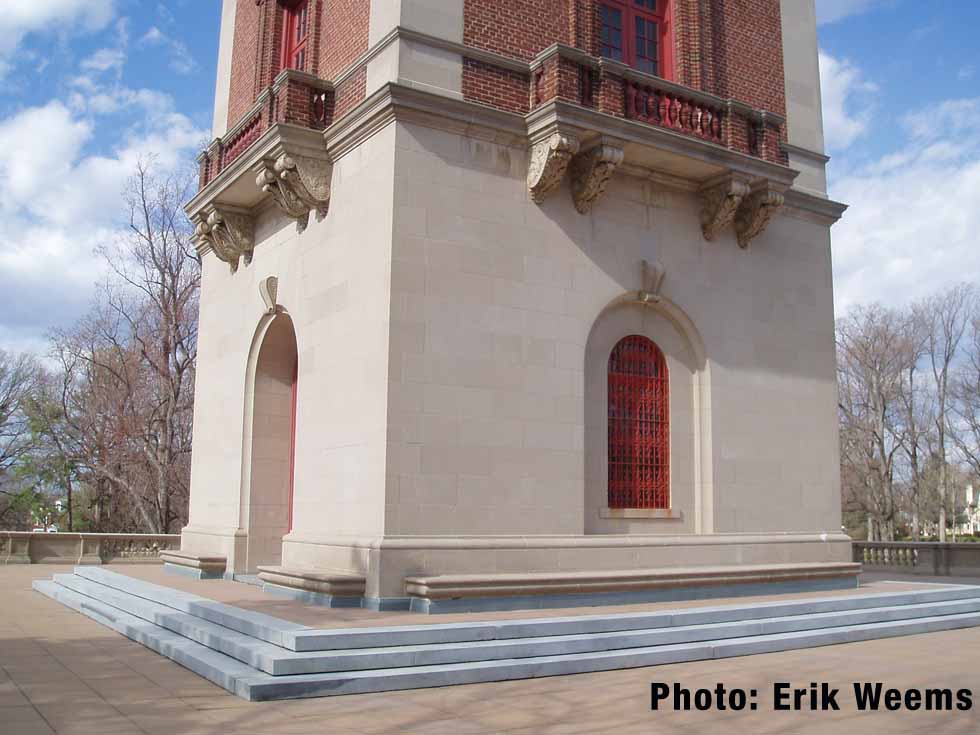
(653, 281)
(298, 185)
(591, 171)
(755, 212)
(720, 201)
(549, 160)
(229, 232)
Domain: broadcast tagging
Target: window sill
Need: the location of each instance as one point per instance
(663, 514)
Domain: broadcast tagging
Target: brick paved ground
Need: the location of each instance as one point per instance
(61, 672)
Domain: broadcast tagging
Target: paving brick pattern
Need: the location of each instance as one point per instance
(61, 672)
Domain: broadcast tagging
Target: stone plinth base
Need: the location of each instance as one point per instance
(386, 562)
(194, 565)
(474, 592)
(314, 587)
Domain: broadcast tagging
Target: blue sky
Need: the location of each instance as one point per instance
(89, 87)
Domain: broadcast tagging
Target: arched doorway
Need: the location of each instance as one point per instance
(273, 435)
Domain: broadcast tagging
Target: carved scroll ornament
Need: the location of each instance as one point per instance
(229, 232)
(591, 172)
(298, 184)
(755, 213)
(719, 204)
(549, 161)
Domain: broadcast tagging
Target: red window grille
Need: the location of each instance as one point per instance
(637, 33)
(639, 425)
(296, 33)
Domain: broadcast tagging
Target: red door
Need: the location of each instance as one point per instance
(292, 443)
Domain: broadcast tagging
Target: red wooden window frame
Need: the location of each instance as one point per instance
(638, 33)
(296, 31)
(639, 425)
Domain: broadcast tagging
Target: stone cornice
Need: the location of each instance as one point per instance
(812, 208)
(401, 102)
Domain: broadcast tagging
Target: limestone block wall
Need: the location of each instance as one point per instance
(493, 302)
(333, 284)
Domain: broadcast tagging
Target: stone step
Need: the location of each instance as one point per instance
(252, 684)
(257, 625)
(279, 662)
(300, 638)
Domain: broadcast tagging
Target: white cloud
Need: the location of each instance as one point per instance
(62, 200)
(831, 11)
(18, 18)
(966, 73)
(181, 59)
(848, 100)
(913, 222)
(105, 59)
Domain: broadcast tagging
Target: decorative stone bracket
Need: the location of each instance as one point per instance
(755, 213)
(732, 199)
(591, 171)
(229, 232)
(720, 200)
(549, 161)
(298, 184)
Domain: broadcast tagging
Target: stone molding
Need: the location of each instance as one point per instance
(298, 184)
(755, 213)
(591, 172)
(549, 160)
(720, 200)
(452, 586)
(227, 231)
(321, 582)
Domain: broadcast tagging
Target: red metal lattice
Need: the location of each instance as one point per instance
(639, 426)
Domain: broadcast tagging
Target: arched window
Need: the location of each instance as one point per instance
(639, 425)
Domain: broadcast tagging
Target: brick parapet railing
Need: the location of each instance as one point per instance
(294, 98)
(568, 74)
(923, 557)
(26, 547)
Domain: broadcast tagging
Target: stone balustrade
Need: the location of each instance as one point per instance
(936, 559)
(652, 104)
(25, 547)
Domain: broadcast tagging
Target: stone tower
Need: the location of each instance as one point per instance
(508, 299)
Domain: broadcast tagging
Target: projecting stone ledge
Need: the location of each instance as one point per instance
(194, 565)
(320, 587)
(458, 592)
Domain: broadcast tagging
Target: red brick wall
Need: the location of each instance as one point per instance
(339, 36)
(349, 94)
(744, 60)
(343, 29)
(518, 28)
(500, 88)
(244, 57)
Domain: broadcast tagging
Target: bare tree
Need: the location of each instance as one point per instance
(918, 412)
(873, 355)
(17, 380)
(125, 397)
(946, 316)
(965, 391)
